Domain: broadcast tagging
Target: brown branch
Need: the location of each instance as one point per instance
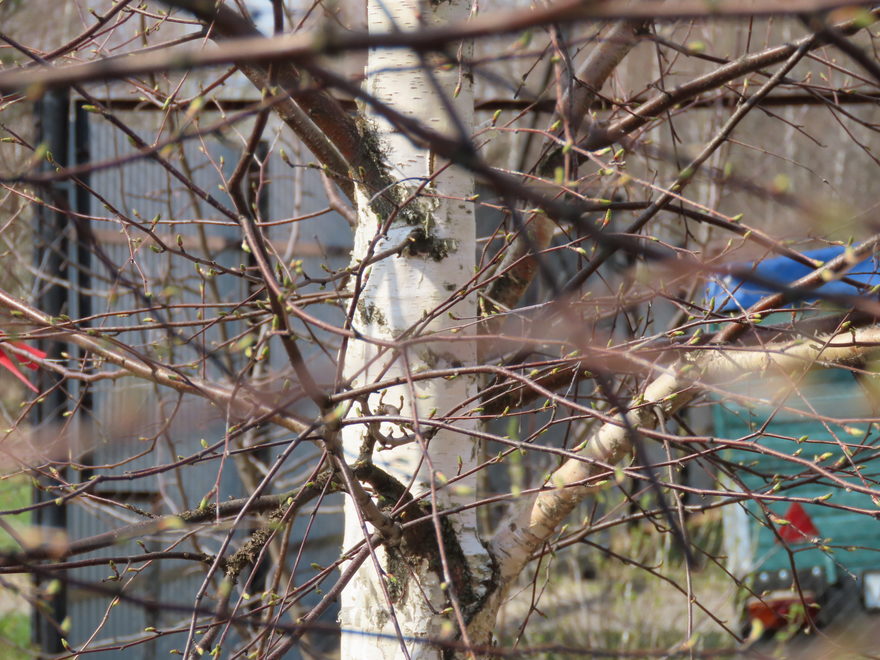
(257, 244)
(16, 568)
(834, 36)
(208, 513)
(247, 46)
(239, 400)
(87, 34)
(508, 395)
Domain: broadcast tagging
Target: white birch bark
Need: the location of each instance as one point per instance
(398, 295)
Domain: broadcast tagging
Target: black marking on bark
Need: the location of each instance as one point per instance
(423, 244)
(371, 314)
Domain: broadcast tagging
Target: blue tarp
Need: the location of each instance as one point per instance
(733, 294)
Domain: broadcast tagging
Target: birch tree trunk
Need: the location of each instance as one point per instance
(427, 585)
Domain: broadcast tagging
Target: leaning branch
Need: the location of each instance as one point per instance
(238, 400)
(520, 263)
(536, 519)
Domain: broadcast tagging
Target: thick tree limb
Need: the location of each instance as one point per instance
(305, 47)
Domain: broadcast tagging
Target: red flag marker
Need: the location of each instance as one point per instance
(10, 366)
(800, 527)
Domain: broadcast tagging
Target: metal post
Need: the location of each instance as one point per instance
(51, 260)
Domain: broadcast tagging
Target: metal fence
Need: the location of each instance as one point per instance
(124, 428)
